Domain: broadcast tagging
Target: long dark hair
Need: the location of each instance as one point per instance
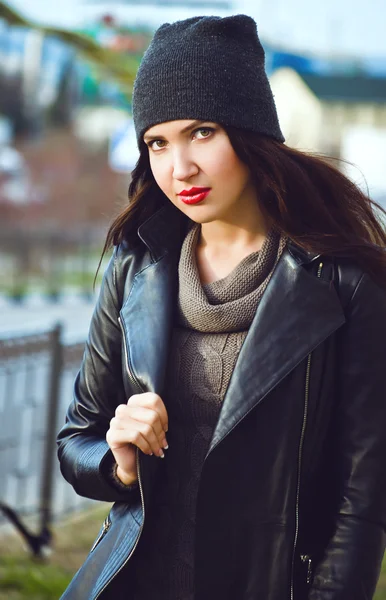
(303, 195)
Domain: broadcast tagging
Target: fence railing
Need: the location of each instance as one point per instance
(36, 379)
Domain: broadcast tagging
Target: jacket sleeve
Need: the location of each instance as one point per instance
(85, 459)
(351, 564)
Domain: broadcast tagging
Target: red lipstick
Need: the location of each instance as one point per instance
(194, 195)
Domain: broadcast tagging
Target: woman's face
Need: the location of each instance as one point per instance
(194, 164)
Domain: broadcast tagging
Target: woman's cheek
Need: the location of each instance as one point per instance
(218, 162)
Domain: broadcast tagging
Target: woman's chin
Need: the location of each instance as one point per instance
(201, 214)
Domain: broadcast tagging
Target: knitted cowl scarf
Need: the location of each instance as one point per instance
(229, 304)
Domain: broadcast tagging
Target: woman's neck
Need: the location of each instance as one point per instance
(242, 231)
(223, 245)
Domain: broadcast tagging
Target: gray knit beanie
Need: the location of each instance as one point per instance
(206, 68)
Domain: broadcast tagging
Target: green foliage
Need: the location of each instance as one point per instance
(17, 290)
(27, 579)
(381, 589)
(120, 67)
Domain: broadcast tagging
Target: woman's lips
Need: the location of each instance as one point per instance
(194, 198)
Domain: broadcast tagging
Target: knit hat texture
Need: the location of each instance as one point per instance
(206, 68)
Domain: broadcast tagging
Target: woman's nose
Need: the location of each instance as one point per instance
(183, 166)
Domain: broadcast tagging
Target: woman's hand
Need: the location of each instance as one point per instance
(141, 423)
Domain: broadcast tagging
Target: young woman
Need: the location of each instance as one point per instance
(231, 401)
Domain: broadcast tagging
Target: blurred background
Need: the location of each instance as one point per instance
(67, 147)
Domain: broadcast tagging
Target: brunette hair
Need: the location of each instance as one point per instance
(303, 195)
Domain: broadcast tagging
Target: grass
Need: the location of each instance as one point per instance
(23, 578)
(381, 589)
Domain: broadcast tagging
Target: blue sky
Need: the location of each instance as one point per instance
(343, 27)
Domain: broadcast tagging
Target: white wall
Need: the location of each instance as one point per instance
(300, 112)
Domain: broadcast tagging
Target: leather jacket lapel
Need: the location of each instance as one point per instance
(147, 318)
(298, 311)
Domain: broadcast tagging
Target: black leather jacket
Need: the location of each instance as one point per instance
(292, 500)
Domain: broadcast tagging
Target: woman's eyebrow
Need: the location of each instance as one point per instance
(149, 138)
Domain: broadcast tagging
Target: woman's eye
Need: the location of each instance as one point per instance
(201, 134)
(204, 132)
(156, 144)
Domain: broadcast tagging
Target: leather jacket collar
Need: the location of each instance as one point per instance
(164, 232)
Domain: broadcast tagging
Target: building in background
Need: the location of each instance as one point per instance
(342, 114)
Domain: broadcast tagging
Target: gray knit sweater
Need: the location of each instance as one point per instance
(212, 322)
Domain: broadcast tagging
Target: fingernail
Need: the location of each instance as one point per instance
(161, 454)
(165, 445)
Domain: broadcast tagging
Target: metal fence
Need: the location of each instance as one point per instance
(36, 380)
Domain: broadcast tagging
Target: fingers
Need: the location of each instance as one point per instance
(141, 422)
(147, 415)
(116, 438)
(129, 430)
(153, 402)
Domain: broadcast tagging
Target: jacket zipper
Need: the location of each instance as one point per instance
(300, 458)
(134, 381)
(306, 558)
(105, 527)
